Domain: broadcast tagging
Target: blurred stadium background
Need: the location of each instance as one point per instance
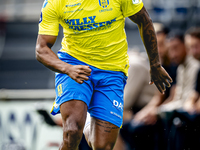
(25, 84)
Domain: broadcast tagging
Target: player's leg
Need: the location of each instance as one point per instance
(73, 114)
(72, 101)
(101, 135)
(106, 110)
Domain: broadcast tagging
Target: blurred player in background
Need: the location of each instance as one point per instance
(92, 66)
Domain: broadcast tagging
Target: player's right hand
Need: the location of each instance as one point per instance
(79, 73)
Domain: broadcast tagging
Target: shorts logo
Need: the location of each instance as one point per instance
(104, 3)
(59, 89)
(113, 113)
(135, 1)
(117, 104)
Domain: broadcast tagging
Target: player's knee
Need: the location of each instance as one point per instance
(103, 146)
(71, 135)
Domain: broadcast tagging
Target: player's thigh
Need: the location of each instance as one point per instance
(107, 101)
(106, 119)
(103, 134)
(73, 114)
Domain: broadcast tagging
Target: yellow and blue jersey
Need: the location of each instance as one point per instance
(93, 29)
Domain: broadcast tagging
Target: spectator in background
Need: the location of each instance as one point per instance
(183, 127)
(192, 104)
(186, 72)
(192, 38)
(161, 34)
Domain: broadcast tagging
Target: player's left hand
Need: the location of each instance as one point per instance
(160, 78)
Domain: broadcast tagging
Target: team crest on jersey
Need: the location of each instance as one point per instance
(104, 3)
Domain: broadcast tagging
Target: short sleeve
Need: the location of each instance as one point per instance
(131, 7)
(49, 22)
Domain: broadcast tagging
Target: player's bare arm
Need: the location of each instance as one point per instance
(47, 57)
(158, 74)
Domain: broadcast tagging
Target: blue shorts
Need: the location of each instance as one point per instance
(103, 92)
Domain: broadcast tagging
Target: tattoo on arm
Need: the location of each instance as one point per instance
(107, 126)
(147, 33)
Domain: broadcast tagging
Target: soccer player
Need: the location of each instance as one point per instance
(91, 68)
